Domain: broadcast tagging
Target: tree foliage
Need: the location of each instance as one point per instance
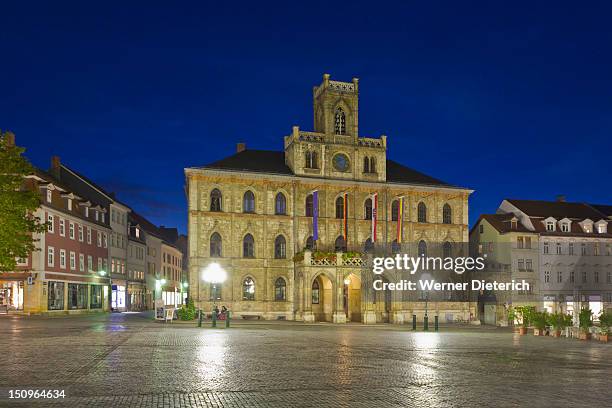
(17, 205)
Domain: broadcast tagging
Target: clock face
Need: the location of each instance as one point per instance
(341, 162)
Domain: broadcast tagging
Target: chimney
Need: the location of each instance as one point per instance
(55, 166)
(10, 138)
(240, 147)
(560, 198)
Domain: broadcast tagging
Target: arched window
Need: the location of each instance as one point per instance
(447, 214)
(280, 289)
(309, 205)
(422, 212)
(367, 209)
(372, 165)
(422, 248)
(248, 202)
(248, 246)
(280, 204)
(248, 289)
(395, 210)
(311, 159)
(340, 245)
(310, 243)
(340, 207)
(215, 245)
(368, 246)
(215, 200)
(315, 292)
(396, 248)
(447, 249)
(366, 164)
(340, 122)
(280, 247)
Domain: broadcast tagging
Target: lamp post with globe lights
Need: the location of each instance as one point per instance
(213, 274)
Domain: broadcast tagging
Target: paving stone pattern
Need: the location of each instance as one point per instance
(127, 360)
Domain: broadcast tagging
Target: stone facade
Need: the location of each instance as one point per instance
(220, 196)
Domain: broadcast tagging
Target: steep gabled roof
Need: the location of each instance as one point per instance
(259, 161)
(273, 162)
(557, 209)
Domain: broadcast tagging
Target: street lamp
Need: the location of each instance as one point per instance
(213, 274)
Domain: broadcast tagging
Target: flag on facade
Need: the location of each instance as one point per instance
(315, 215)
(400, 216)
(374, 215)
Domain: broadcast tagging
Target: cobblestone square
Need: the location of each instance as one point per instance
(128, 360)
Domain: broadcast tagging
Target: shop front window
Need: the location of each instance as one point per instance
(77, 296)
(96, 297)
(56, 296)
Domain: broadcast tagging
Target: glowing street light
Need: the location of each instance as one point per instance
(214, 273)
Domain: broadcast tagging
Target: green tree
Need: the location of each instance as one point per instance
(17, 205)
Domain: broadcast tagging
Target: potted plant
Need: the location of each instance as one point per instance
(540, 321)
(512, 317)
(586, 321)
(605, 321)
(525, 315)
(559, 322)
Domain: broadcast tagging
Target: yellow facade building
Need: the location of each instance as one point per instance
(253, 214)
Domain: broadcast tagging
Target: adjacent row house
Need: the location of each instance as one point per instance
(562, 249)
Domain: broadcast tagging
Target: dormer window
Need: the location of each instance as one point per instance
(86, 212)
(550, 226)
(587, 228)
(70, 204)
(513, 224)
(340, 122)
(565, 227)
(137, 232)
(96, 214)
(103, 217)
(49, 195)
(601, 229)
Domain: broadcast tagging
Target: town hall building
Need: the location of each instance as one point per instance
(292, 229)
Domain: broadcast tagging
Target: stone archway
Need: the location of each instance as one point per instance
(352, 298)
(322, 298)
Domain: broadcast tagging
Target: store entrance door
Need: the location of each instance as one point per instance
(11, 296)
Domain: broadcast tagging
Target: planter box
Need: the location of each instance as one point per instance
(522, 331)
(584, 336)
(603, 338)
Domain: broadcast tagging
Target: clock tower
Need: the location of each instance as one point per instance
(334, 149)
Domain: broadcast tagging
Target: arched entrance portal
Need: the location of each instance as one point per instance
(352, 298)
(322, 299)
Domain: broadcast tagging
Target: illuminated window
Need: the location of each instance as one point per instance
(248, 289)
(340, 122)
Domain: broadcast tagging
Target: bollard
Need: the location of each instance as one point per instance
(436, 323)
(200, 318)
(227, 319)
(214, 319)
(414, 322)
(426, 323)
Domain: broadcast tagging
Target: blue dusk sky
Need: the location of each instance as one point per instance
(510, 99)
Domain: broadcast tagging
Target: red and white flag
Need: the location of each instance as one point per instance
(374, 215)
